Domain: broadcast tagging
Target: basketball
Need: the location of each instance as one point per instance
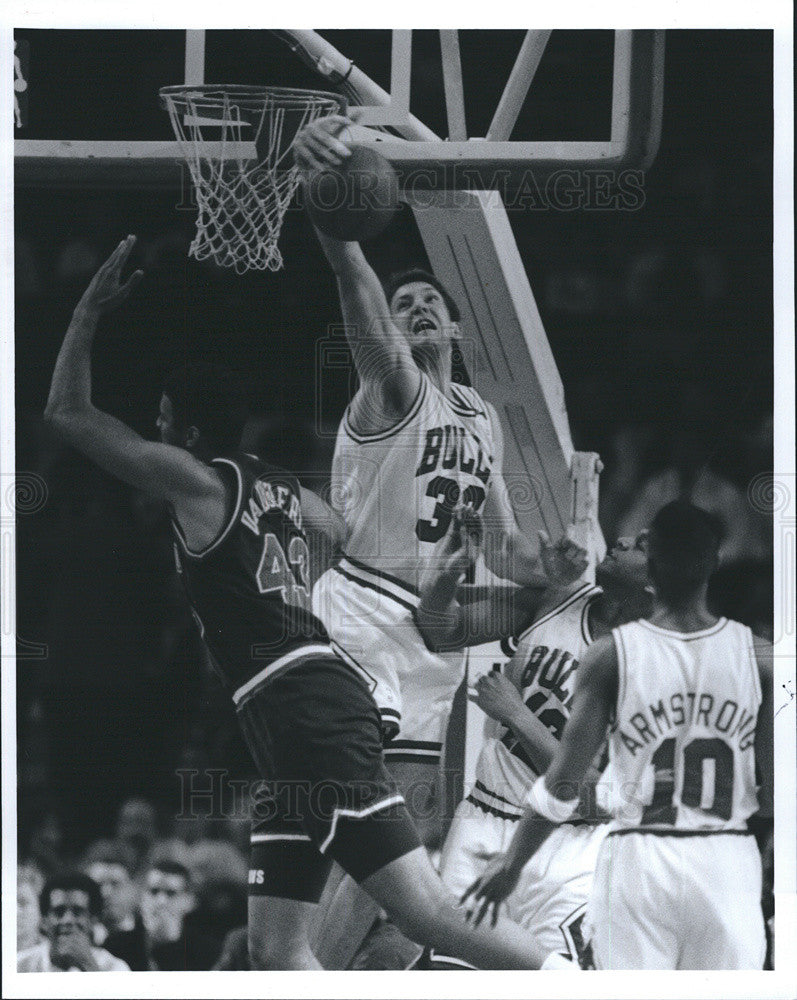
(355, 201)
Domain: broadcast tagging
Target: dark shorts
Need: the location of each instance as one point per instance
(314, 732)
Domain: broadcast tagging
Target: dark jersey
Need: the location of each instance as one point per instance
(249, 589)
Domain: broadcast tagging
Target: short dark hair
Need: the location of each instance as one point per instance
(109, 852)
(170, 867)
(71, 881)
(683, 550)
(395, 281)
(211, 398)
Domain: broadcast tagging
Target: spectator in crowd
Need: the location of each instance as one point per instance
(70, 904)
(121, 931)
(212, 861)
(46, 849)
(221, 907)
(109, 864)
(173, 944)
(29, 885)
(136, 827)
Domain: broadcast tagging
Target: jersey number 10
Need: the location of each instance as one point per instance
(707, 782)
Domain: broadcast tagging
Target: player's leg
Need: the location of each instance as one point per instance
(723, 903)
(346, 913)
(326, 732)
(353, 615)
(278, 934)
(415, 764)
(286, 878)
(550, 900)
(428, 684)
(633, 923)
(474, 834)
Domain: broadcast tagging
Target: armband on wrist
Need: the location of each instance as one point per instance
(547, 805)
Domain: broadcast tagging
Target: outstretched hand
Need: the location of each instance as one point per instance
(564, 562)
(106, 290)
(490, 889)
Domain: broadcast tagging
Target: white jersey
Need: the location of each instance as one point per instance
(396, 489)
(543, 669)
(682, 744)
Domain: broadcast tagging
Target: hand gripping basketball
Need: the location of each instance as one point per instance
(351, 192)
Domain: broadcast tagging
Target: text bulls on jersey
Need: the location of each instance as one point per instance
(453, 447)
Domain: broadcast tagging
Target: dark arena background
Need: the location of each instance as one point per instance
(659, 316)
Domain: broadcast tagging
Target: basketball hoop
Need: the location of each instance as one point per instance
(237, 142)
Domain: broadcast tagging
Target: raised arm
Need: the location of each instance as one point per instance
(498, 697)
(161, 470)
(439, 616)
(448, 619)
(388, 374)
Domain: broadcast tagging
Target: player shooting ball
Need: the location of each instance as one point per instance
(413, 446)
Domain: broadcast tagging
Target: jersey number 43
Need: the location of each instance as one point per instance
(285, 573)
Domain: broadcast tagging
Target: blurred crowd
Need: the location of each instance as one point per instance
(136, 900)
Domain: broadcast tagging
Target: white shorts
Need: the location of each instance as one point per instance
(369, 619)
(551, 897)
(677, 902)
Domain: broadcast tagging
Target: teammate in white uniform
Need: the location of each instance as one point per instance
(528, 706)
(411, 448)
(689, 700)
(396, 491)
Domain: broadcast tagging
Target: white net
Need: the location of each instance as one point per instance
(237, 143)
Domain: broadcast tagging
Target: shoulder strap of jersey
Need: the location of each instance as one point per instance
(235, 510)
(588, 599)
(578, 594)
(466, 401)
(360, 438)
(619, 638)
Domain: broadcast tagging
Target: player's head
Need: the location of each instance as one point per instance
(70, 903)
(203, 408)
(423, 309)
(683, 552)
(625, 565)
